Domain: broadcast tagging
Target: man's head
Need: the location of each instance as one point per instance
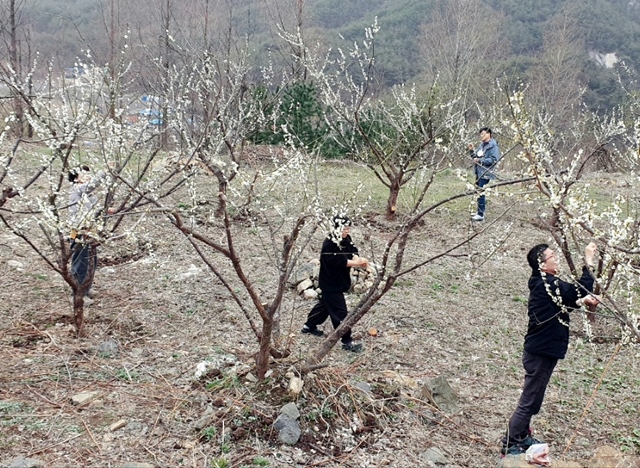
(485, 134)
(542, 258)
(342, 225)
(78, 174)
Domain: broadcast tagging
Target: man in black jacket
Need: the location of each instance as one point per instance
(547, 339)
(337, 256)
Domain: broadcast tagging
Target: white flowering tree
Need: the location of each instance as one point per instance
(574, 214)
(77, 122)
(214, 109)
(394, 135)
(280, 205)
(404, 137)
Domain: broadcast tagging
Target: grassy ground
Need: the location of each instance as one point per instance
(462, 317)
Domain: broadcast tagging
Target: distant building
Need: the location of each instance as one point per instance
(74, 72)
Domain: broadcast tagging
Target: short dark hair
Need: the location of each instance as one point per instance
(75, 172)
(536, 256)
(486, 129)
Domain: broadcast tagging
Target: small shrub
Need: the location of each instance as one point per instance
(208, 434)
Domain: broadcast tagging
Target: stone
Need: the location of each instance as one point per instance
(306, 284)
(359, 288)
(21, 462)
(305, 272)
(191, 272)
(606, 457)
(434, 456)
(137, 465)
(118, 425)
(519, 461)
(208, 416)
(291, 410)
(309, 294)
(288, 429)
(439, 393)
(108, 349)
(365, 387)
(15, 264)
(84, 398)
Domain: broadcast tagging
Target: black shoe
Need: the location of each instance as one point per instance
(512, 450)
(352, 347)
(519, 447)
(312, 331)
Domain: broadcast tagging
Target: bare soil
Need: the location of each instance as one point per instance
(462, 317)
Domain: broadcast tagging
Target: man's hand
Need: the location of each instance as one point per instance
(591, 300)
(590, 253)
(470, 146)
(358, 262)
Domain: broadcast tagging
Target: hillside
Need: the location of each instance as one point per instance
(604, 26)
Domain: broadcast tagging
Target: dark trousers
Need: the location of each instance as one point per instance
(482, 201)
(330, 305)
(538, 370)
(84, 259)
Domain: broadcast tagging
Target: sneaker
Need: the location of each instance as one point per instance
(529, 441)
(312, 331)
(512, 450)
(477, 217)
(519, 447)
(352, 347)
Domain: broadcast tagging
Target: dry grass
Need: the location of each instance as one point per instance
(450, 319)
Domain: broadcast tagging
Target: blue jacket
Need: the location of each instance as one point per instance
(550, 301)
(489, 154)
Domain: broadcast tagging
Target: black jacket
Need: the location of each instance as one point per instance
(334, 272)
(549, 307)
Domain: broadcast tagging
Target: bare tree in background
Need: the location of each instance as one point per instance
(15, 34)
(555, 87)
(289, 17)
(462, 45)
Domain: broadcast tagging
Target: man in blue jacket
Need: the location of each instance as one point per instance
(337, 257)
(550, 302)
(485, 158)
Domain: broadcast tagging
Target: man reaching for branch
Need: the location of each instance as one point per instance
(337, 257)
(550, 302)
(485, 158)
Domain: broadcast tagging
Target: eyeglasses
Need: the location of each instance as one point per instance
(552, 255)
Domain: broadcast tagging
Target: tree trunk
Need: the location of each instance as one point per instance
(392, 202)
(262, 358)
(15, 64)
(78, 312)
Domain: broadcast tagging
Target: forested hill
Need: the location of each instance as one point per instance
(599, 27)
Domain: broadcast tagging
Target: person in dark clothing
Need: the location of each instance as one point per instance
(83, 211)
(337, 257)
(485, 158)
(550, 302)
